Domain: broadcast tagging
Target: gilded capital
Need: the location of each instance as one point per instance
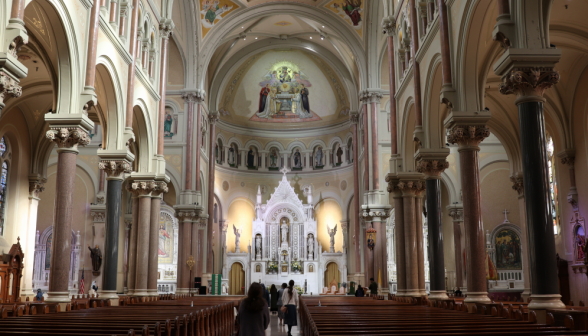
(528, 81)
(68, 137)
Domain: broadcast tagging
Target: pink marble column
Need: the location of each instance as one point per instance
(190, 100)
(131, 70)
(370, 258)
(354, 117)
(128, 225)
(420, 245)
(503, 7)
(113, 11)
(124, 12)
(199, 250)
(411, 189)
(399, 242)
(366, 161)
(165, 29)
(392, 76)
(444, 39)
(160, 187)
(18, 8)
(92, 45)
(380, 256)
(133, 242)
(468, 138)
(68, 141)
(101, 180)
(457, 215)
(375, 99)
(213, 118)
(415, 65)
(143, 239)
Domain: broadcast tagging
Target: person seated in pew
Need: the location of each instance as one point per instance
(39, 296)
(373, 287)
(359, 292)
(253, 317)
(457, 292)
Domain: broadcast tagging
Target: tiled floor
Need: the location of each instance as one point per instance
(279, 330)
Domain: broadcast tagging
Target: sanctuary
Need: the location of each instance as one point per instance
(285, 248)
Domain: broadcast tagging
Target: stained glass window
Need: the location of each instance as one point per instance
(554, 206)
(2, 147)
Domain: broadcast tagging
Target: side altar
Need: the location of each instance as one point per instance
(285, 246)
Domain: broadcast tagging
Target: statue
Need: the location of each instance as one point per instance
(318, 156)
(310, 243)
(258, 245)
(96, 257)
(237, 237)
(284, 227)
(332, 240)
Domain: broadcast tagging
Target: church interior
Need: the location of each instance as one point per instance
(161, 152)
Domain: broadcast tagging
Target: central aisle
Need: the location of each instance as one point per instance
(280, 330)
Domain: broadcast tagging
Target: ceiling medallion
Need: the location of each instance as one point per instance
(283, 23)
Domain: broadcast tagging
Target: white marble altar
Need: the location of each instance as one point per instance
(285, 248)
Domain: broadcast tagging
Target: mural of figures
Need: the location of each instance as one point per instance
(163, 237)
(212, 12)
(273, 158)
(349, 10)
(263, 97)
(508, 250)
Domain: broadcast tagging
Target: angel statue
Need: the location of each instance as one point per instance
(237, 237)
(332, 238)
(96, 257)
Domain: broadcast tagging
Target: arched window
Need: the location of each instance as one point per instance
(4, 156)
(553, 188)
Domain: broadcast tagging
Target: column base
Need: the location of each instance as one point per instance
(476, 297)
(182, 290)
(546, 301)
(152, 292)
(140, 292)
(424, 292)
(526, 294)
(413, 293)
(400, 292)
(108, 294)
(58, 297)
(438, 295)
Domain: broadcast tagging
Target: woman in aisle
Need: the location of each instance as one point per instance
(274, 299)
(290, 302)
(280, 304)
(253, 317)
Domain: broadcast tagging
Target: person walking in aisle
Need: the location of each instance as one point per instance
(290, 301)
(273, 299)
(280, 304)
(373, 287)
(253, 317)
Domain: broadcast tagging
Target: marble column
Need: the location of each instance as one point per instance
(128, 226)
(411, 187)
(529, 85)
(444, 40)
(67, 140)
(166, 27)
(263, 160)
(416, 72)
(418, 205)
(369, 255)
(131, 276)
(389, 25)
(133, 50)
(365, 146)
(190, 99)
(399, 243)
(156, 195)
(115, 170)
(143, 189)
(432, 162)
(456, 213)
(354, 118)
(36, 186)
(375, 107)
(198, 229)
(468, 130)
(212, 118)
(92, 46)
(226, 161)
(184, 283)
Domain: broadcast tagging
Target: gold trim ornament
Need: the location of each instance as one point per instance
(371, 234)
(191, 262)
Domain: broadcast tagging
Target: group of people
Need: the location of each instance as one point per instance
(253, 317)
(360, 291)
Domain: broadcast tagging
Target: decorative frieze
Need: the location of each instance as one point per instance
(68, 137)
(528, 81)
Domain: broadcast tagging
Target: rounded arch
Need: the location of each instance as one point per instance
(335, 140)
(317, 142)
(110, 108)
(294, 144)
(235, 141)
(276, 144)
(253, 143)
(144, 138)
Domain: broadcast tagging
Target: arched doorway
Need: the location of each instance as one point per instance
(332, 275)
(236, 279)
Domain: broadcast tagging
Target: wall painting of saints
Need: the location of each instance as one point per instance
(351, 11)
(212, 11)
(165, 241)
(508, 250)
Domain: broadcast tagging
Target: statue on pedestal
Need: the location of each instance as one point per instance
(237, 238)
(284, 228)
(310, 243)
(258, 246)
(96, 256)
(332, 240)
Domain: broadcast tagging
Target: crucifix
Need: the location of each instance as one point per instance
(506, 212)
(285, 171)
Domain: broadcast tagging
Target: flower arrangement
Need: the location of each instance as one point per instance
(296, 266)
(272, 267)
(298, 289)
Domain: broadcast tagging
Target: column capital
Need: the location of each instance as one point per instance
(517, 183)
(213, 117)
(115, 168)
(147, 188)
(528, 82)
(98, 215)
(410, 184)
(128, 224)
(166, 27)
(467, 129)
(567, 157)
(371, 95)
(68, 137)
(9, 87)
(431, 162)
(36, 185)
(188, 212)
(354, 117)
(224, 225)
(389, 25)
(456, 212)
(196, 96)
